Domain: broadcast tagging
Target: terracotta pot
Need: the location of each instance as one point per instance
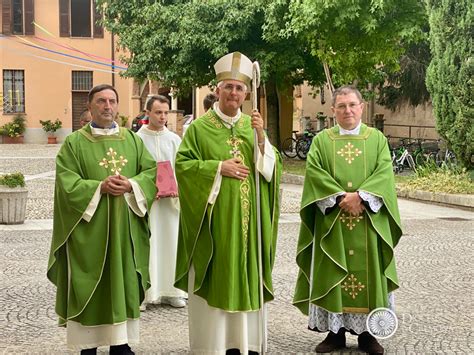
(12, 140)
(52, 139)
(13, 205)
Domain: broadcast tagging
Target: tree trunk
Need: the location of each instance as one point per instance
(273, 113)
(285, 107)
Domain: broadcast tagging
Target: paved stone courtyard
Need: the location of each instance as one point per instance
(434, 304)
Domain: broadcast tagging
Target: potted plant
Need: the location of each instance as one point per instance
(13, 197)
(51, 127)
(122, 120)
(13, 131)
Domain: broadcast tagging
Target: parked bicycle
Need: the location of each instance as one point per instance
(405, 161)
(288, 146)
(304, 143)
(445, 157)
(401, 157)
(410, 154)
(425, 152)
(298, 144)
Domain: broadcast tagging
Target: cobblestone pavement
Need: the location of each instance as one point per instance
(434, 303)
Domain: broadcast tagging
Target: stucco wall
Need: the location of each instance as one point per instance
(406, 116)
(48, 93)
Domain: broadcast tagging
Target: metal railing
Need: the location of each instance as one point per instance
(410, 132)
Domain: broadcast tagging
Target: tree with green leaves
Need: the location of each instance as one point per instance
(450, 78)
(408, 85)
(360, 41)
(177, 43)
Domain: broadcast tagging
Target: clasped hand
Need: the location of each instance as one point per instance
(235, 169)
(115, 185)
(352, 203)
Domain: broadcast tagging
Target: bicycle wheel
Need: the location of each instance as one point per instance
(439, 158)
(288, 147)
(302, 148)
(411, 162)
(420, 159)
(450, 159)
(431, 159)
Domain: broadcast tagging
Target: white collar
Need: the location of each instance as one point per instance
(352, 132)
(96, 132)
(152, 132)
(228, 120)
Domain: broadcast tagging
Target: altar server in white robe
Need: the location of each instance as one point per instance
(164, 216)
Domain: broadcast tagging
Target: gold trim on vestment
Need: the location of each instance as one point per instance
(114, 164)
(241, 122)
(352, 286)
(348, 154)
(355, 310)
(234, 142)
(217, 123)
(344, 218)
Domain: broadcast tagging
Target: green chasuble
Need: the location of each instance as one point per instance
(220, 240)
(349, 259)
(100, 267)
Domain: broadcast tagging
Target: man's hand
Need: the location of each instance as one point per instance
(257, 123)
(115, 185)
(352, 203)
(235, 169)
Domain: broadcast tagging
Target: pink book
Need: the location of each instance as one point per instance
(165, 181)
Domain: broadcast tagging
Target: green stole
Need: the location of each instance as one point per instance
(347, 263)
(220, 240)
(100, 267)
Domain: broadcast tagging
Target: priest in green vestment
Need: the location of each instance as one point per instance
(105, 184)
(217, 262)
(350, 227)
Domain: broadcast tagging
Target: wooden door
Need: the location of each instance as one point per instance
(79, 104)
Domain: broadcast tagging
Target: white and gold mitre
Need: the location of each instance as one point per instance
(234, 66)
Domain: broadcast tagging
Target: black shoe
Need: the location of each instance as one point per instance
(91, 351)
(332, 342)
(232, 352)
(369, 344)
(123, 349)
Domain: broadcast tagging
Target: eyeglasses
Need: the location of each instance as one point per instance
(239, 88)
(351, 106)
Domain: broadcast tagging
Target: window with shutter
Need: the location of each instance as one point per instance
(18, 17)
(7, 17)
(79, 18)
(98, 29)
(64, 18)
(29, 6)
